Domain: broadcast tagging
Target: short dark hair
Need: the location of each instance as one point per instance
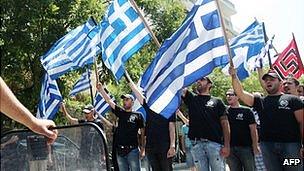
(293, 79)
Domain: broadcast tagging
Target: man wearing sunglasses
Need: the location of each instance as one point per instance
(244, 135)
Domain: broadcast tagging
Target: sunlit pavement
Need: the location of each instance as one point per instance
(183, 167)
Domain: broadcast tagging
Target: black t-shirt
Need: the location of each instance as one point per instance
(157, 130)
(96, 121)
(128, 125)
(204, 116)
(278, 122)
(239, 121)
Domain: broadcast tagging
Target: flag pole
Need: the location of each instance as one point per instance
(294, 39)
(224, 32)
(265, 41)
(145, 23)
(91, 89)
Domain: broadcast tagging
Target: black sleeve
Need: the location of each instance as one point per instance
(257, 104)
(297, 104)
(188, 97)
(221, 108)
(250, 117)
(172, 118)
(141, 123)
(117, 111)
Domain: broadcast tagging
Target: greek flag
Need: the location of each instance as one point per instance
(122, 34)
(192, 52)
(101, 106)
(245, 48)
(75, 50)
(50, 99)
(82, 84)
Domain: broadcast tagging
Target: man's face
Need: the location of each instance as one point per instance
(202, 85)
(301, 91)
(289, 87)
(127, 103)
(89, 116)
(272, 85)
(231, 97)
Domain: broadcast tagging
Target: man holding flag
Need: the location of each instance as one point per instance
(127, 145)
(281, 117)
(160, 135)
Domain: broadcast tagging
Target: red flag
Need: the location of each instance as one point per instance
(289, 62)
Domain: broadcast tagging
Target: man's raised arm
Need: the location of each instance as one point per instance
(246, 97)
(138, 94)
(105, 95)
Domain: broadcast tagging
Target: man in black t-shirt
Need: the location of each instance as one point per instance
(208, 127)
(281, 117)
(244, 135)
(160, 135)
(126, 137)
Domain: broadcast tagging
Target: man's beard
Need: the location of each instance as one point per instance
(201, 89)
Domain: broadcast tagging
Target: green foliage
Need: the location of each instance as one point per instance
(29, 28)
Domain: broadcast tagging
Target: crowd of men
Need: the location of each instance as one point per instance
(215, 134)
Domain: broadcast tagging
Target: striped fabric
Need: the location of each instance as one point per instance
(101, 106)
(82, 84)
(75, 50)
(50, 99)
(245, 49)
(192, 52)
(122, 34)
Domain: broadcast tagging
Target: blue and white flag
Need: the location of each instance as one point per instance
(191, 53)
(245, 48)
(75, 50)
(122, 34)
(84, 83)
(50, 99)
(100, 104)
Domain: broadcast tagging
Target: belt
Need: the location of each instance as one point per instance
(200, 139)
(127, 146)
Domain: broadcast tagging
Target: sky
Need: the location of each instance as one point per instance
(281, 17)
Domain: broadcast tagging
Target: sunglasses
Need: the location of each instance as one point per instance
(230, 94)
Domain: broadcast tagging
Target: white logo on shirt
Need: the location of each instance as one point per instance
(132, 118)
(210, 103)
(240, 116)
(284, 104)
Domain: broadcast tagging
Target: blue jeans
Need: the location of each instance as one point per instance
(206, 156)
(130, 161)
(275, 153)
(241, 158)
(189, 158)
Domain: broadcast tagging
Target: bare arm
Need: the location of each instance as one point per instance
(138, 94)
(105, 95)
(67, 115)
(171, 151)
(246, 97)
(299, 117)
(226, 131)
(260, 75)
(183, 143)
(254, 138)
(182, 117)
(142, 139)
(12, 107)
